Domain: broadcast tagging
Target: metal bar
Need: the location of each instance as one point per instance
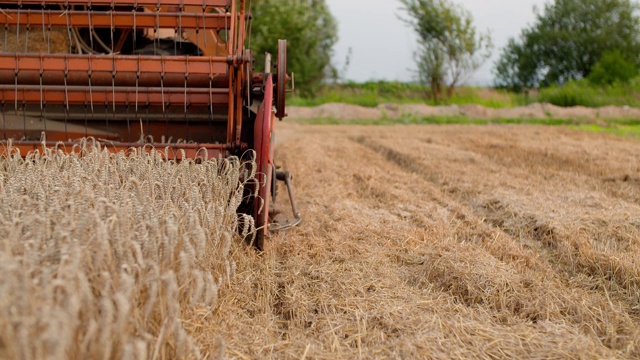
(231, 38)
(151, 64)
(239, 91)
(240, 74)
(74, 95)
(105, 19)
(131, 70)
(191, 151)
(233, 72)
(241, 29)
(153, 3)
(231, 111)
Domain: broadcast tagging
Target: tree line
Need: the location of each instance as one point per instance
(597, 40)
(311, 32)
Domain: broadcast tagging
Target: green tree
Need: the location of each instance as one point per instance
(566, 40)
(613, 68)
(517, 68)
(311, 32)
(450, 48)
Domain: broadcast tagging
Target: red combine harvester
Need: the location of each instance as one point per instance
(171, 74)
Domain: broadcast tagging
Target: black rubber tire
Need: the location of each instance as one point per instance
(169, 47)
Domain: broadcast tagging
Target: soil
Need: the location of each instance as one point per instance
(394, 111)
(444, 242)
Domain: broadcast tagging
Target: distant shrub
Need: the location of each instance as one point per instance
(584, 93)
(613, 68)
(575, 93)
(375, 92)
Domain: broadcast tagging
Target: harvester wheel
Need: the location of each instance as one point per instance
(263, 145)
(169, 47)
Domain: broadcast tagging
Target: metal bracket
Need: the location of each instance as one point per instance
(284, 224)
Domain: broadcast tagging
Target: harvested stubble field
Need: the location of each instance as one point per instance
(418, 242)
(446, 242)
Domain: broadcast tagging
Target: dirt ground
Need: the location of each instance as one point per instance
(395, 111)
(443, 242)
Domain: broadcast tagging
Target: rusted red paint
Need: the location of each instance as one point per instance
(264, 161)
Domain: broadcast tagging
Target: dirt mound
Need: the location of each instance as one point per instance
(334, 111)
(614, 112)
(397, 111)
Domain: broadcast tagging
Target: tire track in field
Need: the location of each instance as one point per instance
(615, 181)
(537, 232)
(571, 251)
(575, 250)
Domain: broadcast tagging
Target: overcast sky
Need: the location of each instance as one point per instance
(382, 45)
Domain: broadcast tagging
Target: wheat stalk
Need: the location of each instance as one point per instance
(102, 253)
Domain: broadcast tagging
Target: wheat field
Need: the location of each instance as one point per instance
(102, 254)
(418, 242)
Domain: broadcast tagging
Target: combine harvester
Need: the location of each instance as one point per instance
(171, 74)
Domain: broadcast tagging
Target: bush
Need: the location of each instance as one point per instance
(575, 93)
(612, 68)
(584, 93)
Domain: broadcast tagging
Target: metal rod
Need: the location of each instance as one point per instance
(128, 123)
(6, 37)
(90, 32)
(77, 95)
(86, 119)
(186, 100)
(4, 121)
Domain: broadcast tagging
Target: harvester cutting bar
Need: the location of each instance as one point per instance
(136, 3)
(98, 95)
(117, 70)
(171, 152)
(115, 19)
